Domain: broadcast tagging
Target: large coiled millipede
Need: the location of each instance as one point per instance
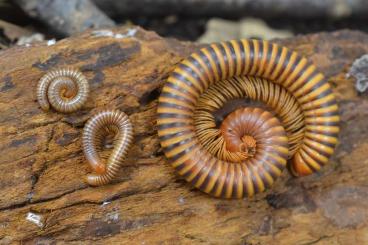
(106, 123)
(65, 89)
(295, 117)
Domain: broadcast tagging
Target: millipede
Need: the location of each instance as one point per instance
(113, 123)
(285, 115)
(65, 90)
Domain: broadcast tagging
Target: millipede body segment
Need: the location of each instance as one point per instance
(66, 90)
(297, 122)
(101, 125)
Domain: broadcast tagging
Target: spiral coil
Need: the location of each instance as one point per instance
(237, 165)
(98, 127)
(66, 90)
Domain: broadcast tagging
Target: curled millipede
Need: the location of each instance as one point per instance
(106, 123)
(66, 90)
(273, 95)
(288, 115)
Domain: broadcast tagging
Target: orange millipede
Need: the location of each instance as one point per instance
(66, 90)
(288, 115)
(108, 122)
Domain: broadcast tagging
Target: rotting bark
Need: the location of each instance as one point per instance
(12, 32)
(66, 17)
(42, 164)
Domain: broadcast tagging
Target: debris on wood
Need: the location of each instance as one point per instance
(359, 70)
(222, 30)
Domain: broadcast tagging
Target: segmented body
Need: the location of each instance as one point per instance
(285, 83)
(108, 122)
(66, 90)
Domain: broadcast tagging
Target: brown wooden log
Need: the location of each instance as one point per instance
(42, 164)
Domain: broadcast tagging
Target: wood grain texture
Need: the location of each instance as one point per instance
(42, 162)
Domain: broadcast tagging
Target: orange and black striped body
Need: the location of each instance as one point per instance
(292, 80)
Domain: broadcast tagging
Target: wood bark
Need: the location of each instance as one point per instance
(42, 165)
(66, 17)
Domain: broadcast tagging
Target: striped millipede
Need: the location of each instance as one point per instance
(293, 94)
(98, 127)
(66, 90)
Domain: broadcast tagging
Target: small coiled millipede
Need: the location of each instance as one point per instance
(66, 90)
(98, 127)
(298, 119)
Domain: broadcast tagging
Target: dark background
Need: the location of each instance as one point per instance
(185, 19)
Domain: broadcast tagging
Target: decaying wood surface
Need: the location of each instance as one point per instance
(42, 165)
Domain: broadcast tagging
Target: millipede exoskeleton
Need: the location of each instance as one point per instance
(232, 115)
(115, 124)
(66, 90)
